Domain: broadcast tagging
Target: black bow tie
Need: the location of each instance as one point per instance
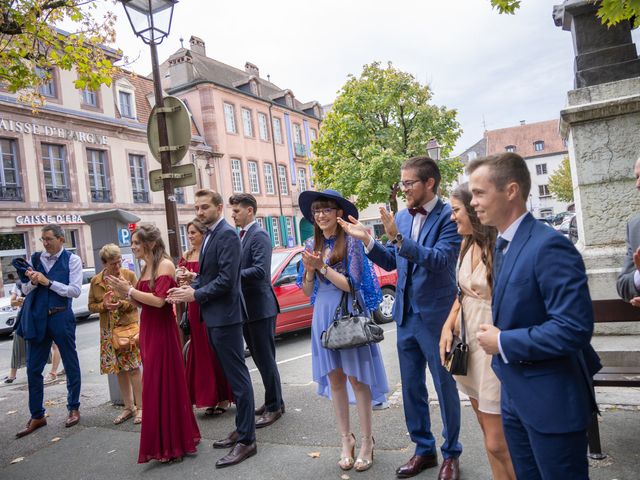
(421, 210)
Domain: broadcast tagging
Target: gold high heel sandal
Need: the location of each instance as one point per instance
(362, 464)
(346, 463)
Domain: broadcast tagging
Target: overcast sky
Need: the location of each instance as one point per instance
(495, 70)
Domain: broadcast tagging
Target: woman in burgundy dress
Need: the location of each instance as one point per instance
(169, 428)
(208, 387)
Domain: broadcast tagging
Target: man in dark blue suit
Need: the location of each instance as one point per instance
(217, 291)
(542, 326)
(261, 302)
(424, 248)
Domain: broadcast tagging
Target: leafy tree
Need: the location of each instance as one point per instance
(611, 12)
(560, 183)
(380, 119)
(32, 43)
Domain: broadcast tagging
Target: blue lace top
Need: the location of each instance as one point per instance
(354, 265)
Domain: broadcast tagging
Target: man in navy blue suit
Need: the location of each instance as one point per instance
(261, 302)
(424, 246)
(217, 291)
(542, 327)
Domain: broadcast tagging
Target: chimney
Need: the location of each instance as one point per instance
(197, 45)
(522, 122)
(180, 69)
(251, 69)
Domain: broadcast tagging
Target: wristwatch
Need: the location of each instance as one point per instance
(398, 239)
(323, 270)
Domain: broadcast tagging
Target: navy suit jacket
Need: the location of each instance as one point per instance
(542, 306)
(218, 283)
(255, 275)
(432, 260)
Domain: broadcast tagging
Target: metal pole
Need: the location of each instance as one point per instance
(165, 160)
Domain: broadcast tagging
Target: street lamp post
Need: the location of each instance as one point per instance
(151, 21)
(433, 149)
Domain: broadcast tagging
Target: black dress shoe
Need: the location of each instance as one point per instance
(263, 408)
(267, 418)
(32, 425)
(238, 454)
(228, 442)
(416, 464)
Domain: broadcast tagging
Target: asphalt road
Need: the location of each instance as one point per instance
(304, 444)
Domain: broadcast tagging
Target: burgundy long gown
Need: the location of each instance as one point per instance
(205, 379)
(169, 428)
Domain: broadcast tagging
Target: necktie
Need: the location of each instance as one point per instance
(498, 256)
(414, 211)
(242, 232)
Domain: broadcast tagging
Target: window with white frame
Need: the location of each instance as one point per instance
(302, 179)
(282, 178)
(126, 104)
(184, 241)
(89, 97)
(236, 176)
(137, 170)
(56, 177)
(260, 221)
(268, 179)
(10, 188)
(275, 227)
(277, 130)
(230, 118)
(98, 176)
(48, 88)
(290, 233)
(262, 127)
(510, 148)
(541, 169)
(297, 133)
(247, 124)
(543, 190)
(538, 146)
(254, 182)
(313, 134)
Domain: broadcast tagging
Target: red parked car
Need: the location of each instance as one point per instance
(295, 309)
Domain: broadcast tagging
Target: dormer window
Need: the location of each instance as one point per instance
(288, 100)
(255, 89)
(538, 146)
(48, 87)
(510, 148)
(126, 100)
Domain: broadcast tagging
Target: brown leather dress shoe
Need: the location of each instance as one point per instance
(32, 425)
(239, 453)
(228, 442)
(263, 408)
(416, 464)
(72, 419)
(268, 418)
(450, 469)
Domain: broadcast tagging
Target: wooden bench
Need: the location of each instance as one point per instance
(609, 311)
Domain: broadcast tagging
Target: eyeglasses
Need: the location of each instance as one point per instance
(327, 211)
(408, 184)
(47, 239)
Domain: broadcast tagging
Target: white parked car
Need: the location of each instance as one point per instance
(80, 305)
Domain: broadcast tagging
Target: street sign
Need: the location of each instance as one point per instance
(124, 237)
(182, 176)
(178, 129)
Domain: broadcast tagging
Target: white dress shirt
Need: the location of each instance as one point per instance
(75, 275)
(246, 228)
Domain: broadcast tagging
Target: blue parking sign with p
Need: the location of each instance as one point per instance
(124, 237)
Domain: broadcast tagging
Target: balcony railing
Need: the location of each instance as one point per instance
(301, 149)
(58, 194)
(101, 195)
(140, 196)
(10, 193)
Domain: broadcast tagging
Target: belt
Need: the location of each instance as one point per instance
(54, 310)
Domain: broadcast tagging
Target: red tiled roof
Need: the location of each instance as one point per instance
(523, 138)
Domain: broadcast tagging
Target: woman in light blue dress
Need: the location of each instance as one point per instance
(331, 259)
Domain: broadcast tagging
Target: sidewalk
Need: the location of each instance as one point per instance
(302, 445)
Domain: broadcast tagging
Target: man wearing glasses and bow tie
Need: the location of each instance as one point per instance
(50, 284)
(424, 246)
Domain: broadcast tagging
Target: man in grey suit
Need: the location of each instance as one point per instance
(629, 279)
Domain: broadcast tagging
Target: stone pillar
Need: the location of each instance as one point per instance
(602, 125)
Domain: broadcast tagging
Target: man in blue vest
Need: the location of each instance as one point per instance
(54, 278)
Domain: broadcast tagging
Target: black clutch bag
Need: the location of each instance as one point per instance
(351, 329)
(184, 321)
(456, 360)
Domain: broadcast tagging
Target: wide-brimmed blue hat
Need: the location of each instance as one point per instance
(306, 199)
